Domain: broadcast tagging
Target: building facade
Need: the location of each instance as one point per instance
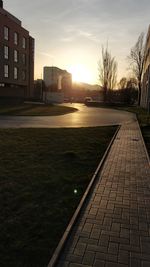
(58, 84)
(145, 92)
(16, 58)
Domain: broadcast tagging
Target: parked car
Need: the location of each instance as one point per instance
(88, 99)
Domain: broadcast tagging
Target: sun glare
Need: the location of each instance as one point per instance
(80, 74)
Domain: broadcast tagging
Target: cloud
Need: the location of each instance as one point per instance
(46, 54)
(67, 39)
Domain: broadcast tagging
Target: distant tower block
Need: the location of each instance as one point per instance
(58, 84)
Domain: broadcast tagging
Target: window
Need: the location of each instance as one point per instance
(6, 71)
(24, 42)
(6, 52)
(16, 38)
(6, 33)
(15, 73)
(23, 75)
(24, 59)
(15, 56)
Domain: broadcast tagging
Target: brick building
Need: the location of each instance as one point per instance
(145, 92)
(16, 58)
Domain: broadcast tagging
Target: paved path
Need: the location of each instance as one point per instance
(113, 228)
(84, 117)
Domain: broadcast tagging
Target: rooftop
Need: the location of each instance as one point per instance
(7, 14)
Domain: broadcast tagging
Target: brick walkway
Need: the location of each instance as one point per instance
(113, 228)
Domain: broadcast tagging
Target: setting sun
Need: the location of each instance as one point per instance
(80, 73)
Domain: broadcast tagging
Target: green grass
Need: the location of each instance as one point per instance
(39, 170)
(35, 110)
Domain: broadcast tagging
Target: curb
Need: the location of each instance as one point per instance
(65, 236)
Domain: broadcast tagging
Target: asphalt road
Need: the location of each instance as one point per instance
(84, 117)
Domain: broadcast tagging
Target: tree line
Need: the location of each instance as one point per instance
(129, 89)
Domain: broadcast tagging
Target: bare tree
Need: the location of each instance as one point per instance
(136, 60)
(107, 72)
(125, 82)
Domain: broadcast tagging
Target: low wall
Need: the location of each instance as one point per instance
(53, 97)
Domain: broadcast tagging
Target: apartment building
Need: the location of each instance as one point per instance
(145, 92)
(58, 84)
(16, 58)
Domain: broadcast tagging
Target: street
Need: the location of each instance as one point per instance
(84, 117)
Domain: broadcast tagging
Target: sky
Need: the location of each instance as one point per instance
(69, 34)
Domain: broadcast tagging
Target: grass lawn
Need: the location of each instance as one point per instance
(39, 170)
(35, 110)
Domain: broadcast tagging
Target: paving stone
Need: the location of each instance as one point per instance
(134, 240)
(119, 240)
(104, 240)
(78, 265)
(95, 234)
(125, 232)
(99, 263)
(73, 258)
(145, 263)
(113, 248)
(96, 248)
(88, 240)
(135, 263)
(88, 258)
(112, 258)
(87, 227)
(140, 256)
(63, 264)
(112, 264)
(101, 256)
(79, 249)
(145, 247)
(93, 211)
(123, 257)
